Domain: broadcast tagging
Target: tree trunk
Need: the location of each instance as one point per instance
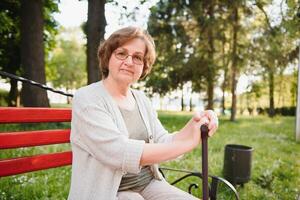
(234, 65)
(191, 102)
(224, 84)
(281, 95)
(182, 100)
(297, 131)
(13, 93)
(271, 92)
(210, 90)
(223, 92)
(68, 98)
(161, 102)
(95, 33)
(211, 50)
(32, 52)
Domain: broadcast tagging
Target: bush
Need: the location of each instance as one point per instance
(3, 97)
(283, 111)
(286, 111)
(260, 111)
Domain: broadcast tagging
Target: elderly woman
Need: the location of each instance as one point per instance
(117, 139)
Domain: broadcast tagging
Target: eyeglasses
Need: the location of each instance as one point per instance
(122, 54)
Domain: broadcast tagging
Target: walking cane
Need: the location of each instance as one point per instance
(204, 136)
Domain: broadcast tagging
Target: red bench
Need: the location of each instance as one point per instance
(8, 140)
(19, 165)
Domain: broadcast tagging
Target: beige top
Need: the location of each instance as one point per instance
(136, 130)
(102, 150)
(134, 124)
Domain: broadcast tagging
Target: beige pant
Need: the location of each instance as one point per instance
(156, 190)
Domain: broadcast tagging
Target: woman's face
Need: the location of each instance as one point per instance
(127, 62)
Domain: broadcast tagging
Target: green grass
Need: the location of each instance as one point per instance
(275, 164)
(276, 155)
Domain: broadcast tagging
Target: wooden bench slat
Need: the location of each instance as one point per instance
(33, 163)
(33, 138)
(30, 115)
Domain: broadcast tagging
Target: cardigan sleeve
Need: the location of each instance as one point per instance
(94, 130)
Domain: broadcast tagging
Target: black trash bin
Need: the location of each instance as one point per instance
(237, 163)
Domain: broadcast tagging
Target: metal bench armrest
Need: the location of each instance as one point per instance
(215, 180)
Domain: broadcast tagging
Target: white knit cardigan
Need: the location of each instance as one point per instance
(102, 151)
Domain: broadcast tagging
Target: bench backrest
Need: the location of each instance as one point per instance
(9, 140)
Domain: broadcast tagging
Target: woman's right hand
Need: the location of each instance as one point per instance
(200, 120)
(212, 122)
(191, 131)
(184, 141)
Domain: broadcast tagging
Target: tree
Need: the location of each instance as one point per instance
(199, 40)
(32, 53)
(171, 71)
(207, 24)
(66, 68)
(225, 67)
(10, 39)
(185, 40)
(235, 25)
(276, 46)
(238, 25)
(95, 29)
(10, 45)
